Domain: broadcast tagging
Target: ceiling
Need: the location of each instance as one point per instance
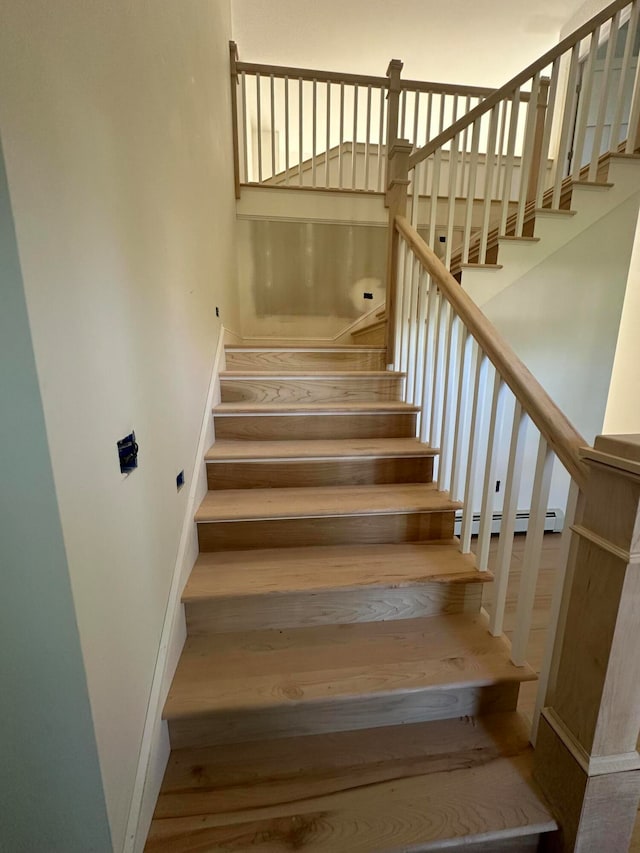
(481, 42)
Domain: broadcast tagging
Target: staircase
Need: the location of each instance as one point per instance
(338, 690)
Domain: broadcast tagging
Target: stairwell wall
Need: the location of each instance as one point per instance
(116, 127)
(562, 319)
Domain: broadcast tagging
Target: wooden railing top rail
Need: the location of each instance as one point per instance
(520, 79)
(320, 76)
(559, 433)
(311, 74)
(429, 87)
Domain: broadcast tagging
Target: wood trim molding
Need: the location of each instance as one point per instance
(605, 545)
(592, 766)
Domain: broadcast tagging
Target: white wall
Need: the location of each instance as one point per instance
(116, 128)
(623, 404)
(562, 320)
(51, 795)
(483, 43)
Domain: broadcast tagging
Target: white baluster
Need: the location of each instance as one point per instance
(471, 190)
(488, 183)
(460, 408)
(286, 130)
(420, 343)
(435, 186)
(488, 489)
(412, 327)
(446, 398)
(402, 134)
(381, 141)
(433, 310)
(416, 113)
(314, 105)
(508, 523)
(546, 138)
(604, 97)
(514, 115)
(341, 139)
(354, 145)
(568, 121)
(273, 124)
(429, 115)
(259, 128)
(583, 105)
(403, 252)
(245, 133)
(527, 153)
(469, 485)
(451, 200)
(614, 139)
(300, 131)
(328, 139)
(532, 550)
(366, 141)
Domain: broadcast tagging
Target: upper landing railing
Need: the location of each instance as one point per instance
(584, 104)
(300, 127)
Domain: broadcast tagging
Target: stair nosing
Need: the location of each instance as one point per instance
(402, 507)
(346, 567)
(342, 674)
(310, 375)
(418, 450)
(381, 407)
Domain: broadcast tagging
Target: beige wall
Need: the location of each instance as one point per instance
(115, 126)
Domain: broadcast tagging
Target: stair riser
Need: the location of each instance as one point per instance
(335, 607)
(283, 427)
(341, 530)
(305, 360)
(349, 390)
(344, 715)
(324, 472)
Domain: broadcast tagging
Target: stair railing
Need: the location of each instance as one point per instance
(550, 122)
(484, 410)
(300, 127)
(481, 407)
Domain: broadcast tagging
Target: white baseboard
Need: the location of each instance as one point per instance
(154, 749)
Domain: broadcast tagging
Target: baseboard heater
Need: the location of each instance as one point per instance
(553, 522)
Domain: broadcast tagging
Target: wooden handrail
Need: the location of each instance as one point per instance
(432, 88)
(523, 77)
(311, 74)
(363, 80)
(560, 434)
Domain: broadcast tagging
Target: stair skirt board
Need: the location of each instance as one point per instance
(553, 522)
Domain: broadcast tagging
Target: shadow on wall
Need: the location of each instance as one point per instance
(311, 269)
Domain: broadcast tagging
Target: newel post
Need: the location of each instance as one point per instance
(586, 758)
(538, 138)
(393, 114)
(397, 203)
(233, 68)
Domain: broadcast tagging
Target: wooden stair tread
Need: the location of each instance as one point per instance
(421, 786)
(284, 375)
(278, 668)
(332, 448)
(323, 501)
(280, 571)
(358, 407)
